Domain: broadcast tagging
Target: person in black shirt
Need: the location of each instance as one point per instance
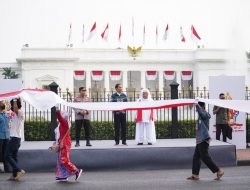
(119, 116)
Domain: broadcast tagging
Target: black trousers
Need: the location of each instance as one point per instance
(87, 128)
(120, 125)
(201, 153)
(11, 154)
(221, 128)
(3, 147)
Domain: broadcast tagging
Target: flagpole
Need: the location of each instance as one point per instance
(156, 35)
(83, 33)
(119, 36)
(133, 32)
(144, 34)
(69, 37)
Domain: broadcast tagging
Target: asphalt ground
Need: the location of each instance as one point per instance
(235, 178)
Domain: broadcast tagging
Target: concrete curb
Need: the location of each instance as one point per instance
(243, 162)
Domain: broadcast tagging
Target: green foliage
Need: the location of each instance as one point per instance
(37, 131)
(247, 130)
(9, 74)
(41, 131)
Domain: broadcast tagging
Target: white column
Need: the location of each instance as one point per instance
(178, 78)
(124, 80)
(196, 80)
(88, 80)
(160, 75)
(143, 79)
(106, 80)
(69, 79)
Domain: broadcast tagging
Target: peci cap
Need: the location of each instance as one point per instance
(82, 89)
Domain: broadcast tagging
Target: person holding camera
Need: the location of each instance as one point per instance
(16, 128)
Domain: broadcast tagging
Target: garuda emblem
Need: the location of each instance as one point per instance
(134, 51)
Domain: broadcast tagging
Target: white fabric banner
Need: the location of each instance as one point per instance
(43, 100)
(234, 88)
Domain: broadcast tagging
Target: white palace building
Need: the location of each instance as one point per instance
(155, 69)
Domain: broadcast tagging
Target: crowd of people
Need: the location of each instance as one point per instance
(12, 124)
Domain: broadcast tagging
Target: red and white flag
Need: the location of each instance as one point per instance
(156, 35)
(120, 33)
(194, 35)
(144, 34)
(182, 36)
(92, 31)
(105, 33)
(83, 33)
(165, 35)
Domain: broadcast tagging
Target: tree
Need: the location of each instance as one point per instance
(9, 74)
(248, 55)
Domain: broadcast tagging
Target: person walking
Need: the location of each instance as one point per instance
(65, 168)
(4, 135)
(16, 128)
(202, 145)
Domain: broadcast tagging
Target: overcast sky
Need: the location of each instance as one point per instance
(45, 23)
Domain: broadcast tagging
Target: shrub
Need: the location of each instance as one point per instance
(41, 131)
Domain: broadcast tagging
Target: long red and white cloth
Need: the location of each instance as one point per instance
(44, 100)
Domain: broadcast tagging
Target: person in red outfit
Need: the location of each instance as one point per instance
(65, 168)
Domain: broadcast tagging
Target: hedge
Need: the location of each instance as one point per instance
(41, 131)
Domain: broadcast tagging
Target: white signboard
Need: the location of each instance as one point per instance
(234, 88)
(10, 85)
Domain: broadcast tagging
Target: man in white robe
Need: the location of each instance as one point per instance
(145, 126)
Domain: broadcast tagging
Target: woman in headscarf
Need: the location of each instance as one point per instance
(65, 168)
(145, 126)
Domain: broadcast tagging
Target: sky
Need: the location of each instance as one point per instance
(45, 23)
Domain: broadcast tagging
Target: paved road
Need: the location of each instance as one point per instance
(236, 178)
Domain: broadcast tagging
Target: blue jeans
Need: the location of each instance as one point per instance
(11, 154)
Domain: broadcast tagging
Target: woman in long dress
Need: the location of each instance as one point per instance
(145, 126)
(65, 168)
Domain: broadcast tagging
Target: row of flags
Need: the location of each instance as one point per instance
(104, 35)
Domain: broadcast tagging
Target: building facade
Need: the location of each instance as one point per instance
(99, 69)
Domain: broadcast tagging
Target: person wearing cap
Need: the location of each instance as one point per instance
(82, 118)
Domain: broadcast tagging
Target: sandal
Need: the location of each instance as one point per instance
(193, 177)
(220, 173)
